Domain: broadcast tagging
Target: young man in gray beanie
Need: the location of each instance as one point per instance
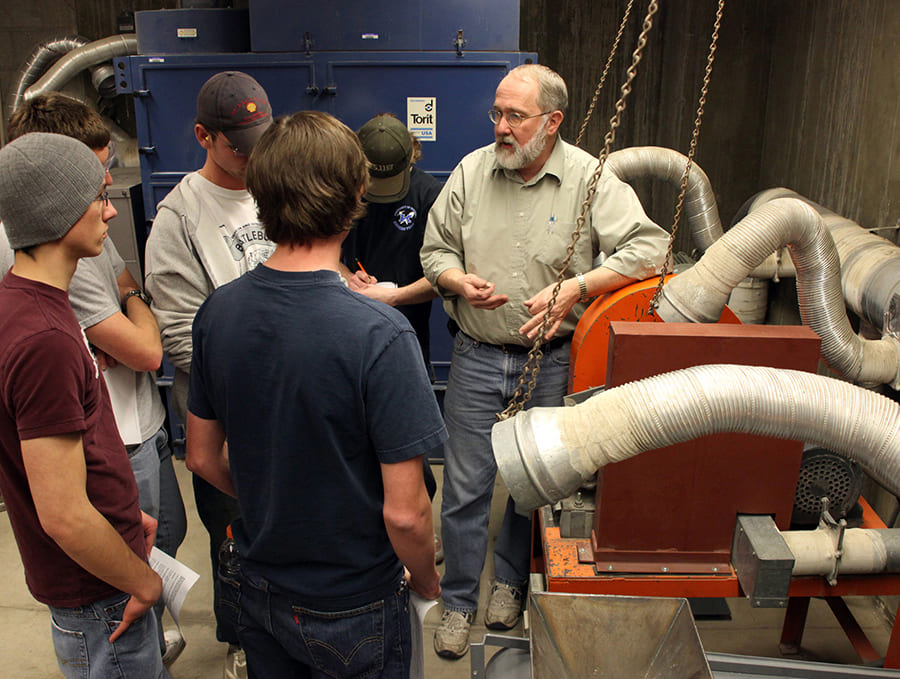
(64, 472)
(116, 318)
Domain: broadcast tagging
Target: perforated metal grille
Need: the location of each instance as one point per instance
(824, 473)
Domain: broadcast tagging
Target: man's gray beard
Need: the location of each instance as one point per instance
(521, 156)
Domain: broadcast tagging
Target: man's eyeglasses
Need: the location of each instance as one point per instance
(103, 198)
(513, 119)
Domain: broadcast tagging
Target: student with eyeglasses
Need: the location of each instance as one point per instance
(70, 491)
(496, 238)
(115, 314)
(207, 233)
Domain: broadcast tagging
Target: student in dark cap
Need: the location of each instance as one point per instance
(207, 233)
(384, 245)
(64, 471)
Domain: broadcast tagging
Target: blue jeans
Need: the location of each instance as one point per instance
(81, 640)
(285, 639)
(169, 511)
(172, 518)
(144, 462)
(482, 380)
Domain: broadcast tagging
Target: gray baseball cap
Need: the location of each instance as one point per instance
(235, 104)
(47, 183)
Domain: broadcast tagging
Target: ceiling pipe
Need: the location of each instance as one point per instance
(40, 60)
(81, 58)
(699, 294)
(862, 551)
(870, 264)
(546, 454)
(701, 213)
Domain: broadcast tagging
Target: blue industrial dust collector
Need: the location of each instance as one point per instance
(434, 65)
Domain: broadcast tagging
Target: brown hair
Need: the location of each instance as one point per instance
(56, 113)
(307, 173)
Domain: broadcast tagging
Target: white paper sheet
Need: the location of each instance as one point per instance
(122, 385)
(418, 608)
(177, 580)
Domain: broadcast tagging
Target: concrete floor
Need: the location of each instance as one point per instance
(28, 653)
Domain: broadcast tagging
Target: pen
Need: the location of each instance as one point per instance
(362, 268)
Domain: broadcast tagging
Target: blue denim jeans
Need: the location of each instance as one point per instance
(169, 512)
(83, 651)
(172, 518)
(144, 462)
(285, 639)
(482, 380)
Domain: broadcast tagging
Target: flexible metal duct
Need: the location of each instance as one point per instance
(699, 294)
(700, 210)
(79, 59)
(40, 60)
(545, 454)
(870, 264)
(862, 551)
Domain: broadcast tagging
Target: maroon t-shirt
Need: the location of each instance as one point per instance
(50, 385)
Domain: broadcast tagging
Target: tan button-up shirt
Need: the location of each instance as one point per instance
(489, 222)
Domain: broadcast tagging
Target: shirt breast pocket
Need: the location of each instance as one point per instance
(553, 246)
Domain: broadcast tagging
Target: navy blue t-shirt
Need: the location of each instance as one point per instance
(315, 386)
(387, 241)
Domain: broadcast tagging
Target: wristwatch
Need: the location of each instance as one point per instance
(137, 292)
(582, 288)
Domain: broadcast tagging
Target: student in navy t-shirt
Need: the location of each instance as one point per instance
(327, 408)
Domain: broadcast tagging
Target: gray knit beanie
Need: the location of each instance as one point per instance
(47, 182)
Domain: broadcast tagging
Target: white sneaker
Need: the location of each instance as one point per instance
(504, 608)
(235, 663)
(451, 638)
(175, 644)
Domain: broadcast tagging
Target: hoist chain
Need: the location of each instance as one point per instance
(654, 302)
(532, 367)
(609, 60)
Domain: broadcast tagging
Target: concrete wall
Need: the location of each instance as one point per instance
(804, 94)
(24, 25)
(833, 113)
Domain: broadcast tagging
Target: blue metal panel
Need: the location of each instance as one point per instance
(353, 86)
(462, 96)
(180, 31)
(279, 26)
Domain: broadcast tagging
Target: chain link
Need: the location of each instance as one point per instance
(654, 302)
(609, 60)
(532, 368)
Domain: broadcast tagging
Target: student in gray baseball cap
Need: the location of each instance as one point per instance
(64, 472)
(207, 233)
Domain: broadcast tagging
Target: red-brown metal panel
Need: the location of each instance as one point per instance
(674, 509)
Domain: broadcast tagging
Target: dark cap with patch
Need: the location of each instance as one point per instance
(235, 104)
(388, 146)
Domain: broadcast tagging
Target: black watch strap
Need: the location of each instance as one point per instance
(137, 292)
